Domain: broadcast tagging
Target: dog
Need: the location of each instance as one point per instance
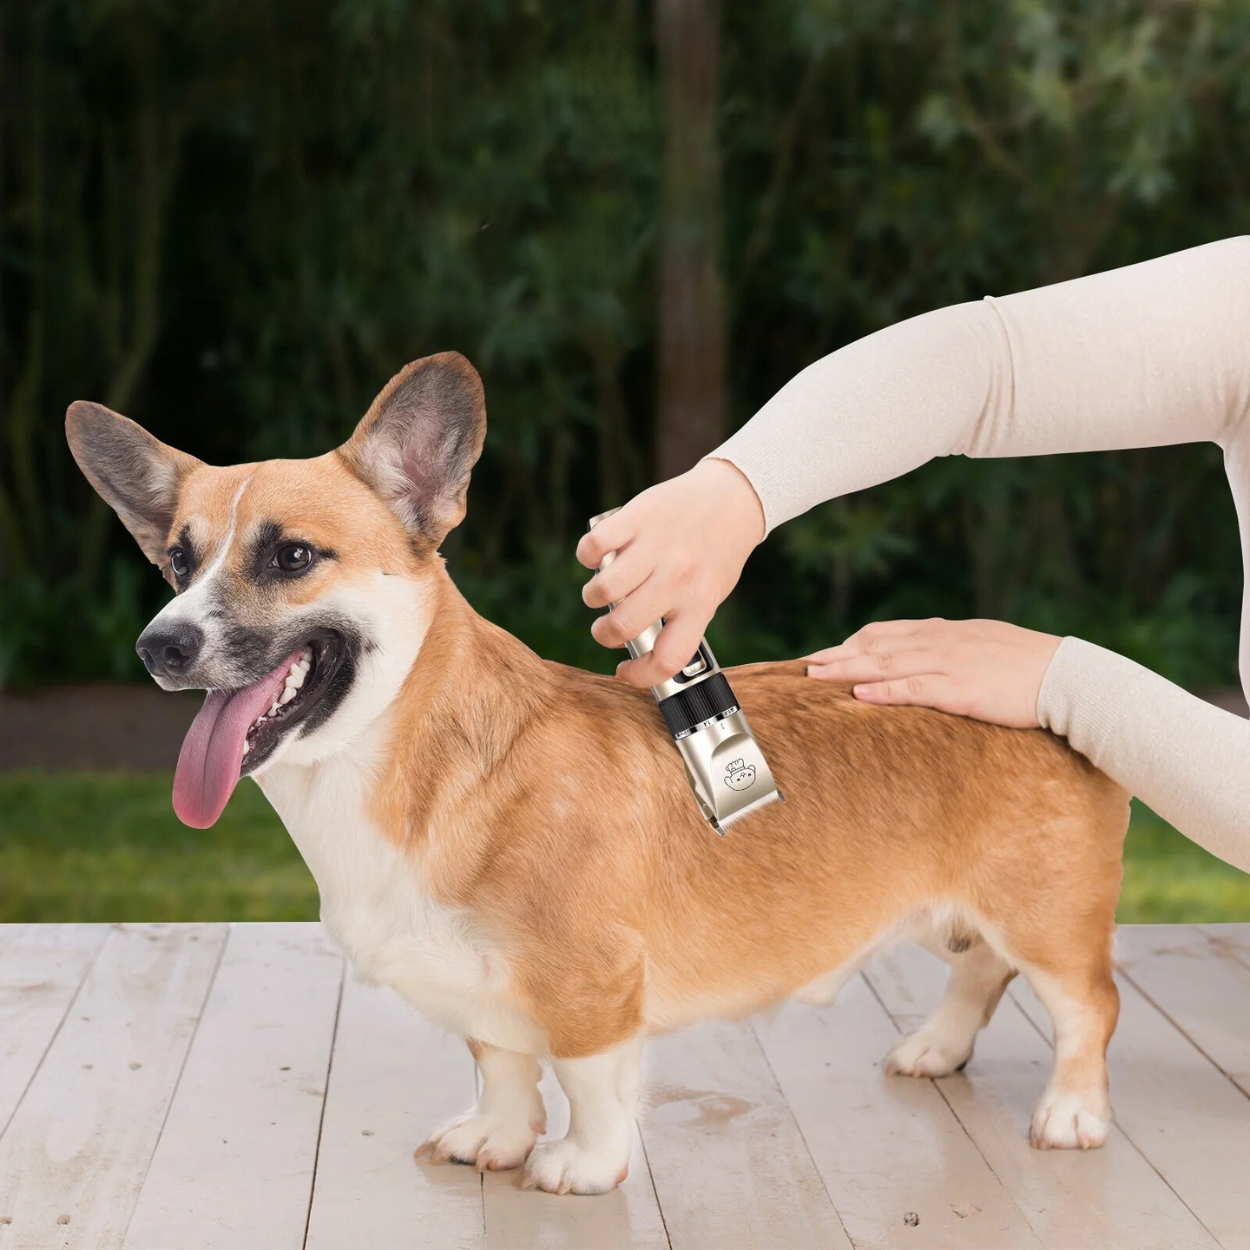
(511, 844)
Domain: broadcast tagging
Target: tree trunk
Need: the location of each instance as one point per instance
(691, 399)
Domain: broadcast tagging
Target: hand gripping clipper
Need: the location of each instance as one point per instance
(725, 767)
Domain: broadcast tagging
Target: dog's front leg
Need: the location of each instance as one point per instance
(501, 1130)
(603, 1096)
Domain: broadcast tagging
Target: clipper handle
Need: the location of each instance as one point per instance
(724, 765)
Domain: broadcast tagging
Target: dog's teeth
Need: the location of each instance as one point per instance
(247, 746)
(288, 694)
(273, 711)
(295, 678)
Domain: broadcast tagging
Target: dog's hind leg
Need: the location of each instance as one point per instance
(943, 1044)
(1084, 1004)
(501, 1130)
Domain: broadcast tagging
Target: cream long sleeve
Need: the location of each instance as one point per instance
(1146, 356)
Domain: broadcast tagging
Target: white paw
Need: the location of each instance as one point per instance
(562, 1167)
(926, 1053)
(1070, 1121)
(488, 1142)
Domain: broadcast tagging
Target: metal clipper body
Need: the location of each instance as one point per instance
(725, 767)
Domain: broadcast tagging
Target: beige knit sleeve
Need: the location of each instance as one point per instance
(1190, 761)
(1143, 356)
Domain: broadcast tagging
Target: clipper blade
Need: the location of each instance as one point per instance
(726, 769)
(732, 818)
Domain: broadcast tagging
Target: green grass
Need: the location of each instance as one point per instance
(1170, 880)
(107, 846)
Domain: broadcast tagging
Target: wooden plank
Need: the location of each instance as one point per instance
(1072, 1199)
(730, 1165)
(886, 1146)
(393, 1079)
(41, 970)
(1189, 1121)
(234, 1165)
(73, 1159)
(1198, 983)
(628, 1217)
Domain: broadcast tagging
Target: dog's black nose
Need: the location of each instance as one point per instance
(171, 650)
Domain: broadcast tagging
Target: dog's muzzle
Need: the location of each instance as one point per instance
(169, 652)
(725, 767)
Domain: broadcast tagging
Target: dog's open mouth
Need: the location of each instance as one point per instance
(236, 731)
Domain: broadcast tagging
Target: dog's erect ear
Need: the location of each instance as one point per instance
(135, 474)
(419, 441)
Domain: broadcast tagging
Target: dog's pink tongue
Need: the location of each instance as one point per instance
(212, 752)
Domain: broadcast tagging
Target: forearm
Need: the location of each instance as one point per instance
(1144, 356)
(1188, 760)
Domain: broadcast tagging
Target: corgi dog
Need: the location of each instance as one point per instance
(511, 843)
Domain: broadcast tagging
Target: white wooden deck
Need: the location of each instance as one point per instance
(179, 1087)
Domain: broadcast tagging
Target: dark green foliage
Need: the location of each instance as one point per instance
(235, 221)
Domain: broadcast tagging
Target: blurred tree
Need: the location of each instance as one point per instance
(235, 221)
(691, 384)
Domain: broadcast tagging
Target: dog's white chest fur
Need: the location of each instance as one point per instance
(374, 906)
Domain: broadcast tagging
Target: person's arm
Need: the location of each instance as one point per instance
(1137, 357)
(1144, 356)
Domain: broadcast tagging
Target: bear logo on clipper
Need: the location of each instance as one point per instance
(741, 775)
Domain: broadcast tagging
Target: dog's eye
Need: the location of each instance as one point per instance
(292, 557)
(179, 563)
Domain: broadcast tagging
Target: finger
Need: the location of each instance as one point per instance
(877, 665)
(869, 636)
(823, 657)
(621, 578)
(678, 641)
(611, 534)
(934, 690)
(642, 607)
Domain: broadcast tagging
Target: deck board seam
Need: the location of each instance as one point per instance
(325, 1098)
(1180, 1028)
(659, 1206)
(833, 1206)
(976, 1145)
(173, 1093)
(60, 1024)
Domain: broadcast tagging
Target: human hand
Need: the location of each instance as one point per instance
(989, 670)
(680, 547)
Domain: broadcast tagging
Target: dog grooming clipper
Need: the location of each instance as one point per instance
(725, 767)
